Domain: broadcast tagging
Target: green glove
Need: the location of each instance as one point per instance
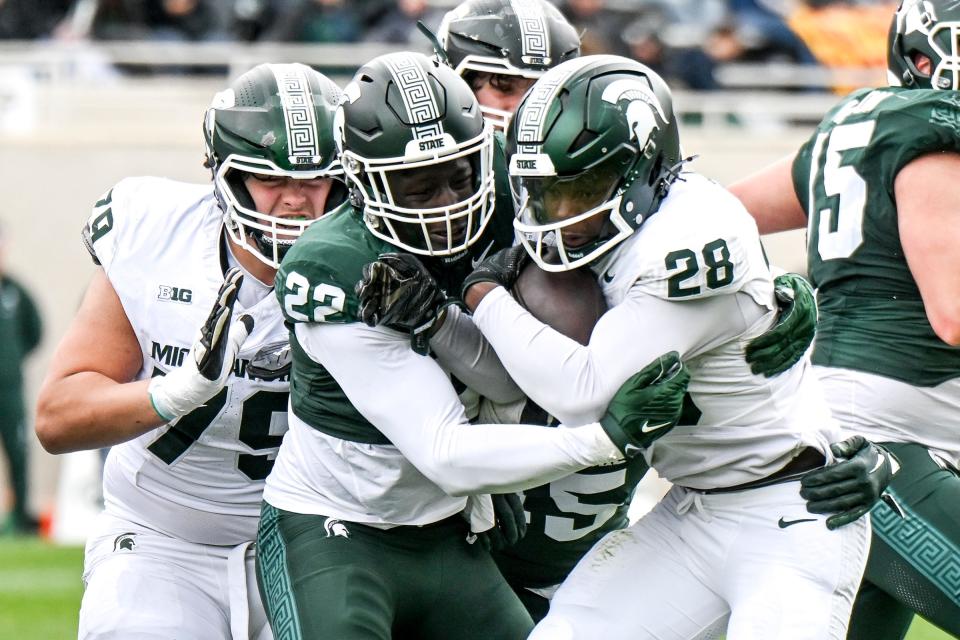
(850, 488)
(785, 343)
(647, 405)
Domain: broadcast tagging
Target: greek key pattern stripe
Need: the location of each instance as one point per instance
(534, 37)
(921, 544)
(299, 113)
(272, 558)
(534, 113)
(418, 98)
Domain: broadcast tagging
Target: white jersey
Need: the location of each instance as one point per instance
(692, 279)
(200, 478)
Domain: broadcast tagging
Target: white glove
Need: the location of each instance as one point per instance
(208, 365)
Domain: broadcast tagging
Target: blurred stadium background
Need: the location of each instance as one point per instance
(92, 91)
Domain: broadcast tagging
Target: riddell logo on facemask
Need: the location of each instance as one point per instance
(175, 294)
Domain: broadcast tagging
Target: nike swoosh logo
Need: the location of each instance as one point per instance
(783, 524)
(878, 465)
(608, 277)
(631, 450)
(646, 427)
(474, 262)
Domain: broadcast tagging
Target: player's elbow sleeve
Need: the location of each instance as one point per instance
(445, 471)
(505, 393)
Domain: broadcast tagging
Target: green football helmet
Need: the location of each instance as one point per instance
(507, 37)
(277, 120)
(405, 111)
(594, 143)
(930, 28)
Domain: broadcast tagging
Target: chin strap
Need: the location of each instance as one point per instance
(672, 174)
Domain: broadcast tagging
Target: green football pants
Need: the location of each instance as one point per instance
(914, 562)
(322, 578)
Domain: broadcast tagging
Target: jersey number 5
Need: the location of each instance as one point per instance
(567, 494)
(838, 220)
(255, 421)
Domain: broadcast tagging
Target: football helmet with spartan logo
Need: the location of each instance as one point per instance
(930, 28)
(275, 120)
(506, 37)
(404, 111)
(593, 145)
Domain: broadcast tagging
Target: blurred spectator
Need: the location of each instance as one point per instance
(190, 20)
(687, 51)
(318, 21)
(177, 20)
(768, 37)
(20, 331)
(601, 28)
(250, 19)
(682, 63)
(399, 24)
(29, 19)
(119, 20)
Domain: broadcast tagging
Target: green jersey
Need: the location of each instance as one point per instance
(316, 282)
(872, 317)
(566, 517)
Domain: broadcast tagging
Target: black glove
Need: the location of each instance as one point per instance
(205, 370)
(511, 522)
(647, 405)
(849, 489)
(397, 291)
(502, 268)
(785, 343)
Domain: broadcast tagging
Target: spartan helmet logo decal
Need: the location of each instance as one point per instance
(336, 528)
(124, 542)
(641, 101)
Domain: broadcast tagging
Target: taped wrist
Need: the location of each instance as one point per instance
(180, 392)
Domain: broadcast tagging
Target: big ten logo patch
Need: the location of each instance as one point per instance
(175, 294)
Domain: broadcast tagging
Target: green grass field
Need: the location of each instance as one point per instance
(40, 592)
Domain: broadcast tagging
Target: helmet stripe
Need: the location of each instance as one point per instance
(299, 113)
(533, 112)
(534, 37)
(418, 99)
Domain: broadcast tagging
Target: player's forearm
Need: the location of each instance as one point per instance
(89, 410)
(461, 349)
(769, 197)
(493, 458)
(555, 371)
(418, 411)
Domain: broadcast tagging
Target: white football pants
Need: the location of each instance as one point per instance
(143, 585)
(753, 564)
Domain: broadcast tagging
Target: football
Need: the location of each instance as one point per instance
(569, 301)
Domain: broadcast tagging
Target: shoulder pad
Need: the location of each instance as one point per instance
(317, 277)
(700, 243)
